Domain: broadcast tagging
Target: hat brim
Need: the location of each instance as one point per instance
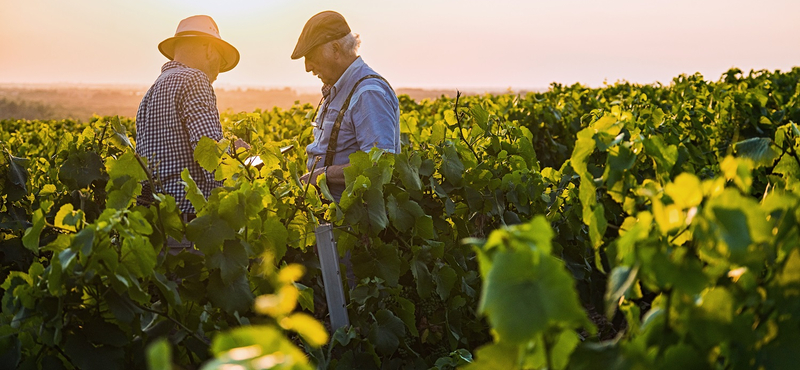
(229, 53)
(304, 47)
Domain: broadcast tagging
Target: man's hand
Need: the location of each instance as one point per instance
(239, 144)
(334, 174)
(304, 178)
(312, 176)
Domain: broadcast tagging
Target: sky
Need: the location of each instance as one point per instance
(466, 44)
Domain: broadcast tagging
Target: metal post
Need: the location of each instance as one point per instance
(331, 277)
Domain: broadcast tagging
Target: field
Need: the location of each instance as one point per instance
(83, 102)
(623, 227)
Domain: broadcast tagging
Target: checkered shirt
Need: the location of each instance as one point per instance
(174, 114)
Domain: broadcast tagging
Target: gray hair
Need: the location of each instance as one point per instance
(349, 44)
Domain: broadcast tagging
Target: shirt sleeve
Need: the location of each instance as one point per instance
(375, 118)
(198, 109)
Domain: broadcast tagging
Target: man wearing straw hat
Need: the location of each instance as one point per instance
(181, 107)
(360, 109)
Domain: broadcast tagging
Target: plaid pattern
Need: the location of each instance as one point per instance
(174, 114)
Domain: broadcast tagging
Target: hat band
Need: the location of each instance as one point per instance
(195, 33)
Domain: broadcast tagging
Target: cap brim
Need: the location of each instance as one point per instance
(229, 53)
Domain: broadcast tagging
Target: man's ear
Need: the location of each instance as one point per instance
(209, 50)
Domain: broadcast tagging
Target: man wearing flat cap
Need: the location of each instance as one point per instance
(181, 107)
(360, 110)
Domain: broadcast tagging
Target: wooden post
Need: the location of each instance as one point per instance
(331, 277)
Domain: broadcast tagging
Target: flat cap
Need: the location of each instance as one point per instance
(320, 29)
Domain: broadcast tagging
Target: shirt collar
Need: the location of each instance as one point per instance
(172, 64)
(348, 73)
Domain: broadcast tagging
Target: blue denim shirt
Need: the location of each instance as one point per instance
(372, 120)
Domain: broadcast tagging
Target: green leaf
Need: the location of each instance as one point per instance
(526, 150)
(563, 347)
(444, 278)
(424, 227)
(10, 354)
(80, 170)
(406, 313)
(788, 167)
(168, 288)
(119, 135)
(233, 297)
(664, 155)
(170, 216)
(759, 149)
(265, 344)
(452, 167)
(18, 174)
(682, 356)
(526, 293)
(619, 283)
(495, 356)
(480, 115)
(438, 132)
(208, 153)
(597, 225)
(232, 261)
(399, 217)
(741, 224)
(85, 355)
(386, 332)
(306, 297)
(84, 241)
(359, 162)
(31, 238)
(584, 146)
(685, 191)
(121, 306)
(232, 209)
(381, 261)
(122, 192)
(193, 193)
(422, 277)
(378, 219)
(125, 165)
(310, 329)
(67, 218)
(275, 237)
(408, 171)
(209, 232)
(138, 223)
(159, 355)
(138, 256)
(101, 332)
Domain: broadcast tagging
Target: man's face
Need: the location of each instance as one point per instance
(320, 61)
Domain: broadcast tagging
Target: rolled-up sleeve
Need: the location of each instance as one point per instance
(376, 119)
(199, 110)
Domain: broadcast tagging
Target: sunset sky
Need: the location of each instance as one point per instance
(449, 44)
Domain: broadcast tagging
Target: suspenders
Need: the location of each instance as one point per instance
(333, 141)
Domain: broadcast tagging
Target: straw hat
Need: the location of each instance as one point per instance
(205, 27)
(320, 29)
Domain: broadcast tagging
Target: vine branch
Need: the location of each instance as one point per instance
(460, 129)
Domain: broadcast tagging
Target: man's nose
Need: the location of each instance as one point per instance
(309, 66)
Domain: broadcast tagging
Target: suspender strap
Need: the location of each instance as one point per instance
(333, 141)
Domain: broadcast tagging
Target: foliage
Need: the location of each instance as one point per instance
(620, 227)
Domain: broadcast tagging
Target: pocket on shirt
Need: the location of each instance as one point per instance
(328, 120)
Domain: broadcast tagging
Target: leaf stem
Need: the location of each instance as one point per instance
(460, 129)
(184, 327)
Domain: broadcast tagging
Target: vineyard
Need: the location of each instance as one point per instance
(623, 227)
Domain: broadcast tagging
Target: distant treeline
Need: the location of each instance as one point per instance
(28, 110)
